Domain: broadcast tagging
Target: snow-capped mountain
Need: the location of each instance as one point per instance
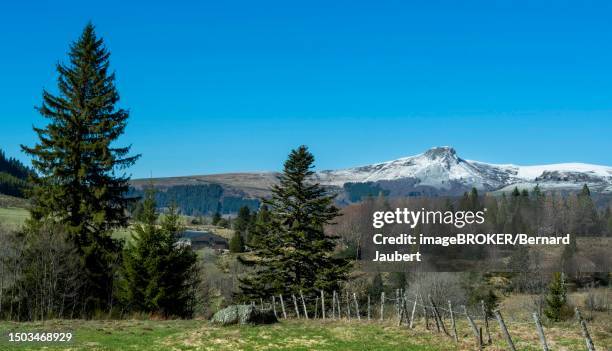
(440, 168)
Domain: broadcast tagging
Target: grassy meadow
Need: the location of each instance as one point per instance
(13, 217)
(140, 334)
(290, 335)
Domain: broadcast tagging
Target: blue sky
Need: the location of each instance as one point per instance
(221, 86)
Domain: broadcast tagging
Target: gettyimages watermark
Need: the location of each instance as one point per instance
(420, 239)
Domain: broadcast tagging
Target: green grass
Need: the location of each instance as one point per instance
(13, 217)
(200, 335)
(287, 335)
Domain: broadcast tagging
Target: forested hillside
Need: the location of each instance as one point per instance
(195, 200)
(13, 176)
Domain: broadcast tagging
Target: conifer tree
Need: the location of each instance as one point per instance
(241, 222)
(260, 227)
(80, 180)
(586, 219)
(295, 254)
(158, 272)
(236, 244)
(556, 298)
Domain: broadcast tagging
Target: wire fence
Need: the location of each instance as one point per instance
(405, 310)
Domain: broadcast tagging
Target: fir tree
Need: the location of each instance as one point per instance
(236, 244)
(556, 298)
(585, 215)
(80, 183)
(158, 272)
(260, 227)
(295, 254)
(242, 220)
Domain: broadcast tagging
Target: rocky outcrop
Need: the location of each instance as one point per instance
(243, 314)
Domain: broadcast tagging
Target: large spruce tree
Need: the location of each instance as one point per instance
(293, 253)
(81, 181)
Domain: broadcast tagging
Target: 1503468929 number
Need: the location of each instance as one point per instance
(39, 337)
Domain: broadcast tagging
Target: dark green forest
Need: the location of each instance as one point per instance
(196, 200)
(13, 176)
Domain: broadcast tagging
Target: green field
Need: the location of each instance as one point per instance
(13, 217)
(287, 335)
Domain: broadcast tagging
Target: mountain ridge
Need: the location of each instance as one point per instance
(437, 170)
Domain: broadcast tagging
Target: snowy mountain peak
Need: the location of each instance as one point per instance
(441, 152)
(441, 168)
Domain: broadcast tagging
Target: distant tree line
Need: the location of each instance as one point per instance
(196, 200)
(358, 191)
(13, 176)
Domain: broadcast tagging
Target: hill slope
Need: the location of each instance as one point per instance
(436, 172)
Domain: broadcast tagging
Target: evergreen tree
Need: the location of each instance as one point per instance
(242, 220)
(295, 254)
(158, 272)
(377, 286)
(585, 214)
(78, 165)
(236, 244)
(556, 298)
(260, 227)
(13, 176)
(538, 207)
(474, 200)
(216, 218)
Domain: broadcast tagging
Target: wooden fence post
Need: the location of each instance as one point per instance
(474, 328)
(425, 313)
(297, 310)
(369, 309)
(334, 305)
(401, 314)
(316, 313)
(538, 324)
(304, 305)
(486, 321)
(397, 310)
(356, 306)
(323, 304)
(261, 303)
(585, 331)
(274, 306)
(452, 317)
(338, 303)
(413, 311)
(439, 321)
(348, 305)
(283, 306)
(502, 326)
(382, 306)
